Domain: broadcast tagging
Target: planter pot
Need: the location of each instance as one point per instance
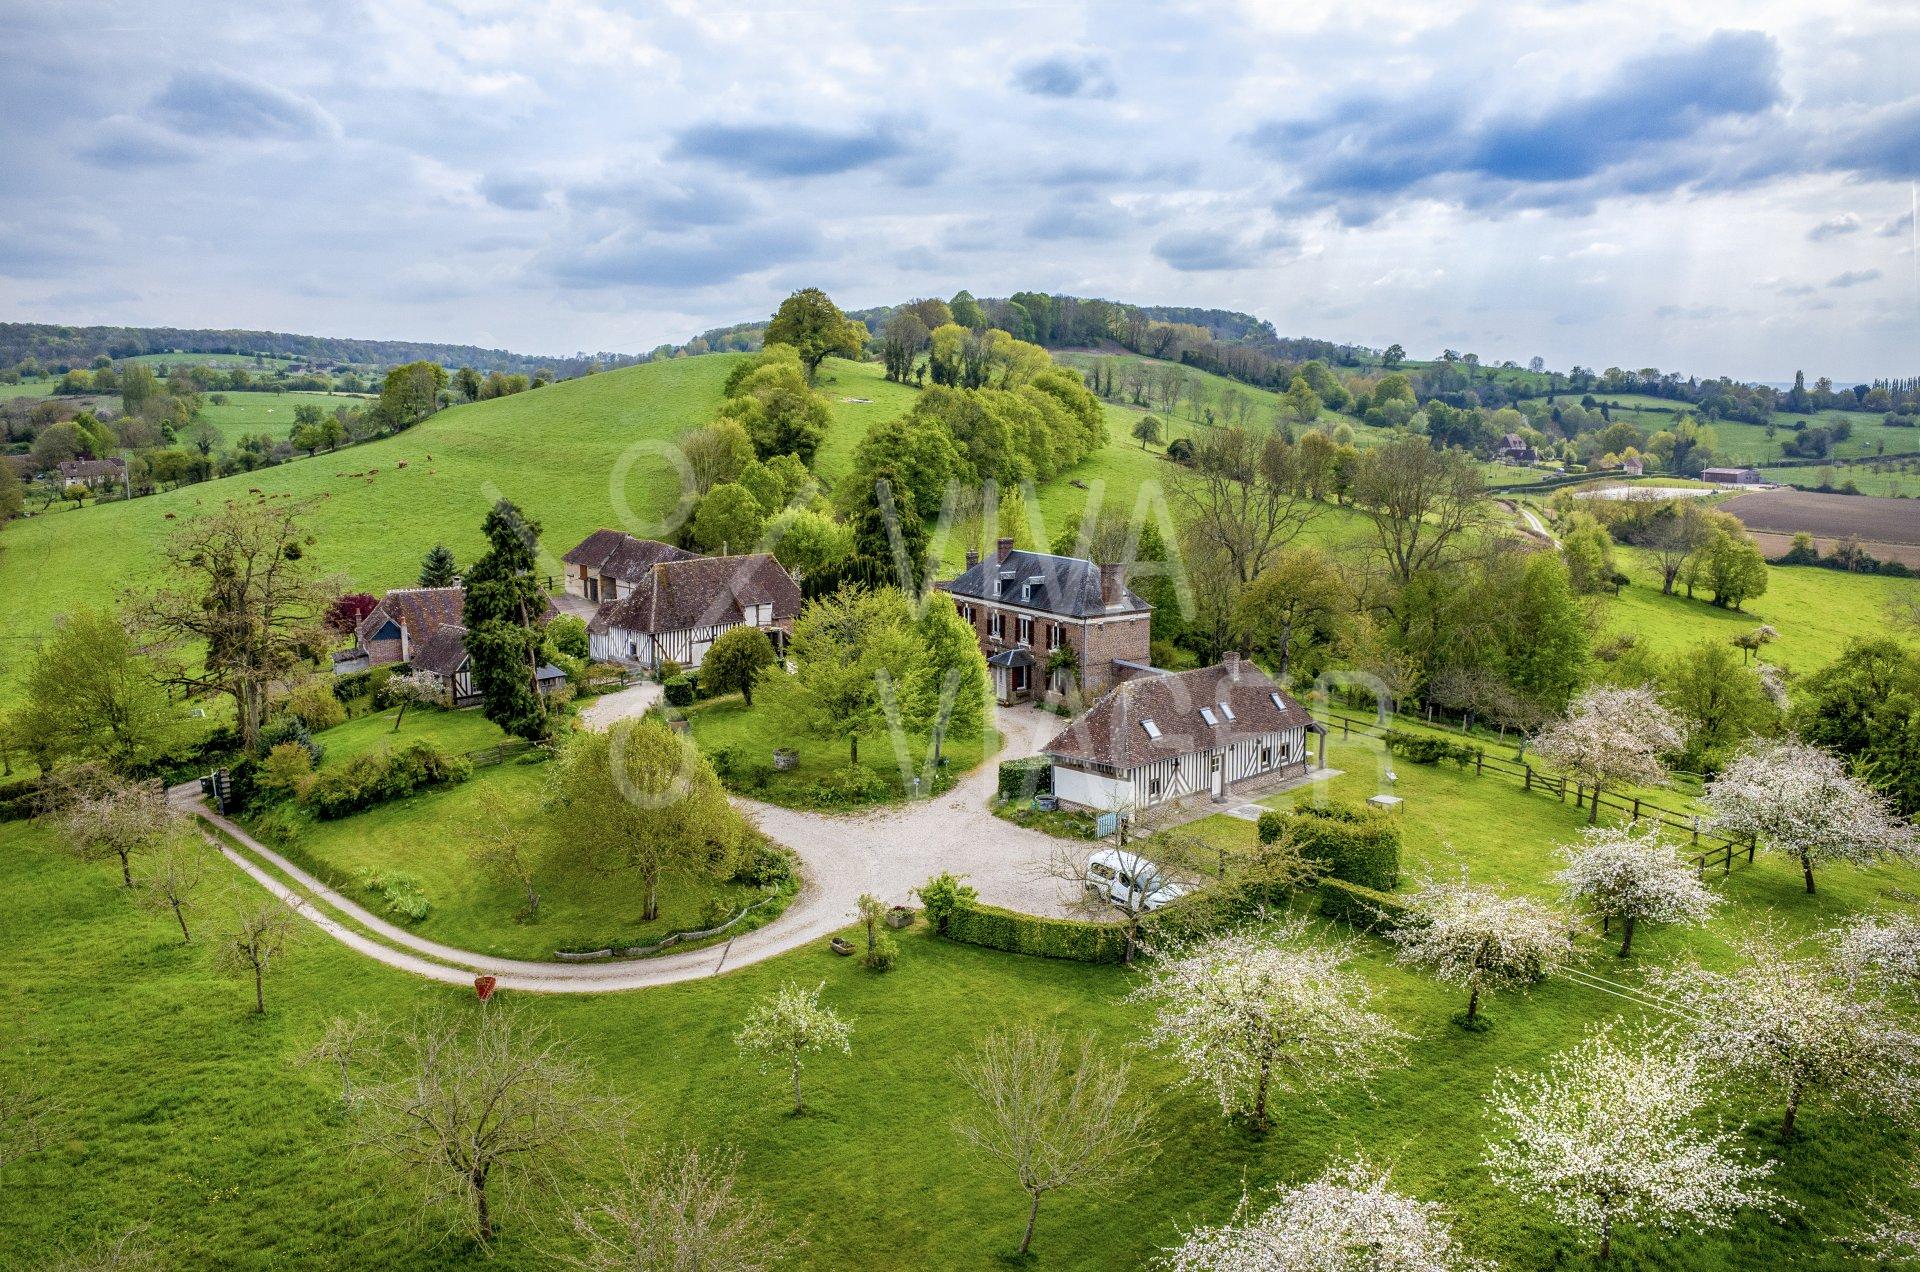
(900, 916)
(784, 758)
(842, 947)
(1045, 803)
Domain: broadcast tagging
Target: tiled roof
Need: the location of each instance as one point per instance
(421, 610)
(699, 592)
(443, 654)
(113, 466)
(622, 556)
(1112, 733)
(1068, 586)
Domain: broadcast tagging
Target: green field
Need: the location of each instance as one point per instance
(185, 1113)
(218, 361)
(1895, 478)
(269, 413)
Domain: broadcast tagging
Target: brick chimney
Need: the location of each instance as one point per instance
(1113, 584)
(1005, 548)
(1231, 661)
(973, 557)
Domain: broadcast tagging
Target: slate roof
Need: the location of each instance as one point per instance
(693, 592)
(1110, 733)
(1068, 586)
(421, 610)
(622, 556)
(82, 469)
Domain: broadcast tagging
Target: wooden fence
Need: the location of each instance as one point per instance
(498, 753)
(1710, 850)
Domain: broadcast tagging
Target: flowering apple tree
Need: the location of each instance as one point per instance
(1798, 800)
(1613, 737)
(1481, 939)
(1633, 875)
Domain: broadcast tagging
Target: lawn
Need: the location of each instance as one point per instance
(188, 1114)
(748, 736)
(455, 732)
(1815, 611)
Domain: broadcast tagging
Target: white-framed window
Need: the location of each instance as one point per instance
(1153, 790)
(1056, 635)
(996, 624)
(1024, 627)
(1266, 755)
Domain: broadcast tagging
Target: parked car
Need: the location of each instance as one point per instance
(1129, 881)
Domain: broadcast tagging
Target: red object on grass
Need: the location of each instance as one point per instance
(483, 987)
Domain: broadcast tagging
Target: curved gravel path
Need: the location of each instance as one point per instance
(887, 852)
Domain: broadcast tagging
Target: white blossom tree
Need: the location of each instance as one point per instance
(1612, 737)
(1346, 1220)
(1247, 1013)
(1057, 1121)
(1613, 1134)
(1798, 800)
(1882, 949)
(1795, 1021)
(782, 1031)
(1481, 940)
(1632, 874)
(103, 817)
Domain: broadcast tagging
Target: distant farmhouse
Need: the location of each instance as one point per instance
(1732, 476)
(1218, 732)
(1026, 607)
(93, 472)
(659, 603)
(1515, 450)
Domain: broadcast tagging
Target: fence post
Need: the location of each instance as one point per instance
(1529, 769)
(1563, 788)
(1696, 828)
(1753, 843)
(1479, 763)
(1343, 728)
(1729, 869)
(1636, 810)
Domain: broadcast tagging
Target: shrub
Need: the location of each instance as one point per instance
(290, 728)
(1030, 776)
(847, 788)
(764, 864)
(666, 670)
(400, 893)
(1424, 748)
(886, 952)
(286, 771)
(1353, 844)
(944, 896)
(315, 705)
(679, 691)
(1071, 939)
(362, 685)
(277, 827)
(568, 636)
(367, 780)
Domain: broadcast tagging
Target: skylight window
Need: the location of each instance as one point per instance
(1226, 711)
(1277, 702)
(1206, 713)
(1152, 729)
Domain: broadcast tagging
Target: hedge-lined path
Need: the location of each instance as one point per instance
(887, 852)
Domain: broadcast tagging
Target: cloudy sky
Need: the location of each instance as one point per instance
(1709, 186)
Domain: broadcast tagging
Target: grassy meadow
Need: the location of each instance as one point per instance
(240, 1158)
(270, 413)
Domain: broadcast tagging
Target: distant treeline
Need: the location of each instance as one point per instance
(55, 348)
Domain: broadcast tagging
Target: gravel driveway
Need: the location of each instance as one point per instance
(887, 852)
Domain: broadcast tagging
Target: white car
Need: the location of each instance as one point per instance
(1130, 882)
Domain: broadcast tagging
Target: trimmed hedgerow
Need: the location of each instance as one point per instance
(998, 929)
(1020, 778)
(1424, 748)
(1354, 844)
(1359, 906)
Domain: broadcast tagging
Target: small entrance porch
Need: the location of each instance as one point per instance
(1013, 673)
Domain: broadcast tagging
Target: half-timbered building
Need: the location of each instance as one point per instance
(1223, 732)
(680, 608)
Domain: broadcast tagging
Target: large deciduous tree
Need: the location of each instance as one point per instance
(503, 612)
(105, 817)
(1632, 874)
(1056, 1120)
(92, 695)
(1612, 737)
(736, 661)
(1481, 940)
(1293, 608)
(945, 695)
(240, 599)
(1795, 1021)
(1347, 1219)
(814, 326)
(1244, 492)
(1423, 502)
(639, 797)
(1798, 800)
(1247, 1013)
(845, 647)
(1613, 1133)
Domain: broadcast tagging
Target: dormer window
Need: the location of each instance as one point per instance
(1151, 729)
(1226, 710)
(1206, 713)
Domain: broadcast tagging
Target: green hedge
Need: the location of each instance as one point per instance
(1351, 843)
(1424, 748)
(998, 929)
(1030, 776)
(1359, 906)
(20, 798)
(367, 780)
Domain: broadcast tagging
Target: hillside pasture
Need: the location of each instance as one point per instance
(245, 413)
